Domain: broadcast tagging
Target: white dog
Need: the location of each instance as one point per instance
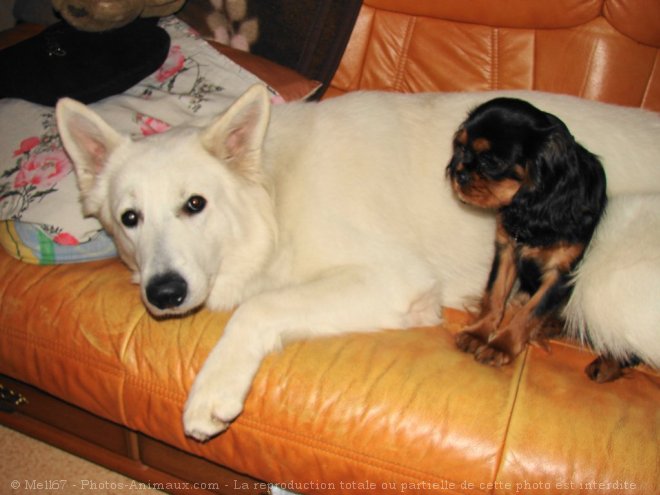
(314, 219)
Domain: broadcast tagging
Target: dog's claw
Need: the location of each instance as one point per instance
(199, 435)
(542, 343)
(492, 356)
(469, 342)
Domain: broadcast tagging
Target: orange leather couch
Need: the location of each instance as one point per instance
(394, 412)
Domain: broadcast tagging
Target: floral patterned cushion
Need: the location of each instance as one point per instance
(41, 217)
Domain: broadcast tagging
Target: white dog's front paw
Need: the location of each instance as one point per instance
(220, 388)
(206, 414)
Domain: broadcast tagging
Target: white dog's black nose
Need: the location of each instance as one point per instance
(167, 290)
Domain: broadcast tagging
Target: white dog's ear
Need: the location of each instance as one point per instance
(87, 139)
(237, 136)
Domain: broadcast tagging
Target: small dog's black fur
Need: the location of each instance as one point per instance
(549, 192)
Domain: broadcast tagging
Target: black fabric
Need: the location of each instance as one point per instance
(62, 61)
(309, 36)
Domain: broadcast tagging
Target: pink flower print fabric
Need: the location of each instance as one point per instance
(151, 125)
(27, 145)
(43, 170)
(173, 64)
(40, 163)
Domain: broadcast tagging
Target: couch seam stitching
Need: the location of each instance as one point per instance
(534, 59)
(588, 67)
(403, 59)
(248, 422)
(647, 89)
(507, 429)
(365, 56)
(53, 347)
(494, 59)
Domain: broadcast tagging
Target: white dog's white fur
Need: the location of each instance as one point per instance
(615, 304)
(321, 218)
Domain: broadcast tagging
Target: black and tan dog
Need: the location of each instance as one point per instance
(549, 193)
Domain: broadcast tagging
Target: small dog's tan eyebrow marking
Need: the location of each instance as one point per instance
(461, 136)
(480, 145)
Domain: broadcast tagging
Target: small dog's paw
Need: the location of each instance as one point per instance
(470, 342)
(493, 355)
(501, 349)
(603, 370)
(476, 335)
(206, 416)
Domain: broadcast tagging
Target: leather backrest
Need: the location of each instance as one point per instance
(605, 50)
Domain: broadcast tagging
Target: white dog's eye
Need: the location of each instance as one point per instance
(130, 218)
(195, 204)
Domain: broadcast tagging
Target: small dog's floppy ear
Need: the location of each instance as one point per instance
(237, 136)
(553, 157)
(568, 185)
(87, 138)
(561, 163)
